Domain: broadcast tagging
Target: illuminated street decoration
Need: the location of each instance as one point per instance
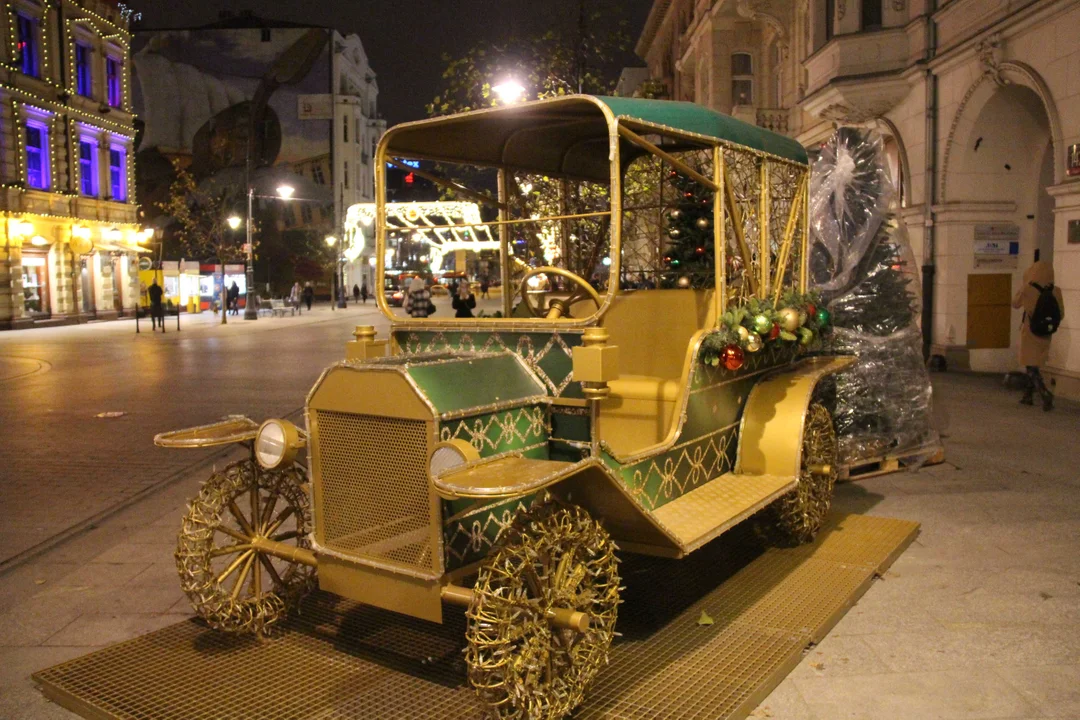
(423, 222)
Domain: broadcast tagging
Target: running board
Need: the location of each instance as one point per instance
(706, 512)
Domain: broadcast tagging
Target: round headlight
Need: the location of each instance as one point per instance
(450, 455)
(277, 443)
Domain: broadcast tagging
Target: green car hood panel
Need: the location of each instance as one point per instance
(465, 381)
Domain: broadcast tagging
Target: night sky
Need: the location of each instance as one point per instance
(404, 39)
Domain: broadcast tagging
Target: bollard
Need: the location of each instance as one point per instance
(137, 308)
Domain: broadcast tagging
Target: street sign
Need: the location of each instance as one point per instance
(246, 247)
(145, 264)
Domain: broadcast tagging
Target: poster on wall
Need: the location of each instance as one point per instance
(200, 90)
(997, 246)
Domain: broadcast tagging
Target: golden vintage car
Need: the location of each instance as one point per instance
(629, 392)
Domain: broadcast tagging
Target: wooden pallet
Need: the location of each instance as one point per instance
(872, 467)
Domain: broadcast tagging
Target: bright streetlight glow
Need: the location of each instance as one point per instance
(148, 233)
(330, 240)
(371, 261)
(234, 221)
(286, 191)
(606, 262)
(509, 91)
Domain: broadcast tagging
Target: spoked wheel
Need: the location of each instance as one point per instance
(552, 561)
(795, 518)
(232, 584)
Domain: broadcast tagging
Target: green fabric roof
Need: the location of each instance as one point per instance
(694, 118)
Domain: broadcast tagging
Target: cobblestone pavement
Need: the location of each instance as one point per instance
(979, 618)
(61, 466)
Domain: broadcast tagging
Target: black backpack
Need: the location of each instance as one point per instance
(1046, 317)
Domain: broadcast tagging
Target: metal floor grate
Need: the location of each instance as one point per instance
(338, 659)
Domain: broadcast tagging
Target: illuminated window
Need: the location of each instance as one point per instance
(37, 155)
(117, 173)
(112, 81)
(742, 79)
(84, 83)
(88, 182)
(27, 44)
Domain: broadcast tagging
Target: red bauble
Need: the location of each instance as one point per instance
(811, 309)
(775, 332)
(732, 357)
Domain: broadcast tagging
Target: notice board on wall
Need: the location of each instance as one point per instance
(997, 246)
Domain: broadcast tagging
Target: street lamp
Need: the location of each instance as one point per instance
(234, 221)
(285, 192)
(509, 91)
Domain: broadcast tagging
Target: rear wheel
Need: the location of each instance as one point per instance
(795, 518)
(232, 585)
(521, 664)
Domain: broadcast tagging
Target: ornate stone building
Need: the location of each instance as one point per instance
(979, 101)
(67, 191)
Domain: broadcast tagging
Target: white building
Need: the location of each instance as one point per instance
(980, 104)
(357, 130)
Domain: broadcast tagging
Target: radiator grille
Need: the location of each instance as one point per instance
(374, 500)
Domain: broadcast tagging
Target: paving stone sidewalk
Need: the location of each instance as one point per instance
(980, 618)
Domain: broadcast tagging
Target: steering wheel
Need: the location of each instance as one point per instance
(558, 308)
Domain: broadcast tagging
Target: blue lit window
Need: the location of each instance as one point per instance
(117, 174)
(112, 81)
(84, 83)
(88, 181)
(37, 155)
(27, 44)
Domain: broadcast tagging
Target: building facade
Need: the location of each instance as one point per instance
(67, 192)
(979, 104)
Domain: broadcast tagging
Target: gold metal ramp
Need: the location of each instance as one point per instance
(341, 660)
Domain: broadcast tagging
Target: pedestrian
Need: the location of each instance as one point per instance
(418, 299)
(464, 301)
(364, 292)
(234, 298)
(309, 295)
(294, 295)
(1038, 296)
(356, 293)
(157, 310)
(484, 286)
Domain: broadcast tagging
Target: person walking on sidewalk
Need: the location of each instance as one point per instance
(356, 293)
(364, 292)
(234, 298)
(1037, 296)
(294, 296)
(484, 284)
(418, 299)
(309, 295)
(157, 311)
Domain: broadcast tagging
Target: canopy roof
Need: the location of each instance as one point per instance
(569, 135)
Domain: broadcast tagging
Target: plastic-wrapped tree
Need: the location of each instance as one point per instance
(861, 263)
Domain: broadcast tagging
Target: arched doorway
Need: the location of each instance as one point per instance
(996, 214)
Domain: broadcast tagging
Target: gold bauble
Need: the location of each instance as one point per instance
(753, 343)
(744, 334)
(789, 319)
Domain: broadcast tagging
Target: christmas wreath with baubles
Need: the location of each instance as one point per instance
(796, 324)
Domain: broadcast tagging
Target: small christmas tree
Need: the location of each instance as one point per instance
(882, 301)
(688, 256)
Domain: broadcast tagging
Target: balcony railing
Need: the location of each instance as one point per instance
(775, 119)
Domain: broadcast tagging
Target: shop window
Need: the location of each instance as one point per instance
(37, 155)
(742, 79)
(871, 14)
(88, 181)
(117, 173)
(35, 284)
(112, 81)
(84, 82)
(27, 44)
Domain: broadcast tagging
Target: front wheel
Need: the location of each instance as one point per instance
(795, 518)
(522, 666)
(231, 584)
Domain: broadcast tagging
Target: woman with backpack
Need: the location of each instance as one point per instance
(1043, 310)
